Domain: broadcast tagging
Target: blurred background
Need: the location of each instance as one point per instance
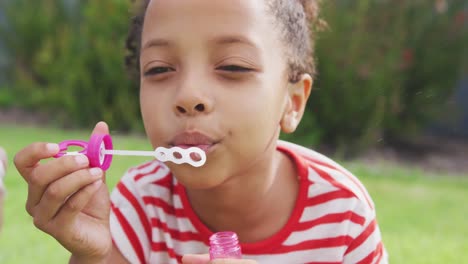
(390, 101)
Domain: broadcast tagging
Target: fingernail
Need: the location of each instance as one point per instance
(95, 171)
(52, 147)
(81, 160)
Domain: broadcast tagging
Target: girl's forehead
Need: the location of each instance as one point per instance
(207, 27)
(208, 5)
(227, 16)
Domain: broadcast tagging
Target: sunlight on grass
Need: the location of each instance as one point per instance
(422, 216)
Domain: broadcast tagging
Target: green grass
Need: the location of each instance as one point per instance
(423, 217)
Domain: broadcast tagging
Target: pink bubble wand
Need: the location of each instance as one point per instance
(99, 151)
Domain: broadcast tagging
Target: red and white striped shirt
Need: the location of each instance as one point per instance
(333, 220)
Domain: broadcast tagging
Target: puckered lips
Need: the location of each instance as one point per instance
(193, 139)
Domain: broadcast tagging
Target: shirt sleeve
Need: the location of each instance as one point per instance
(129, 224)
(367, 247)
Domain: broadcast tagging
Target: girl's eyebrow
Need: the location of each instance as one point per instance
(224, 40)
(155, 43)
(221, 40)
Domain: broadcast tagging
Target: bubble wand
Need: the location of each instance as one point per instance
(99, 150)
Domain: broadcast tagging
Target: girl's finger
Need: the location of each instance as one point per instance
(101, 127)
(232, 261)
(77, 202)
(44, 174)
(195, 259)
(28, 158)
(60, 190)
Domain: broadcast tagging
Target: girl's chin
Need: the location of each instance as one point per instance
(196, 178)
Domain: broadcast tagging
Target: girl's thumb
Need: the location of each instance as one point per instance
(101, 128)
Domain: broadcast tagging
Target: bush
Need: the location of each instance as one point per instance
(385, 68)
(69, 60)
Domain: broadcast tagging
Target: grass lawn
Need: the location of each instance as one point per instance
(423, 217)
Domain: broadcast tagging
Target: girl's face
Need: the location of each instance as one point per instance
(213, 75)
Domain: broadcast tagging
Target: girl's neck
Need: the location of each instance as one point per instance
(256, 210)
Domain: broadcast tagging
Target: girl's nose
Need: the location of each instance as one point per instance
(190, 109)
(192, 102)
(193, 95)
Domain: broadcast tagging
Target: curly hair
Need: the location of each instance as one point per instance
(297, 21)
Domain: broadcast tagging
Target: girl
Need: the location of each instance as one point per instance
(227, 77)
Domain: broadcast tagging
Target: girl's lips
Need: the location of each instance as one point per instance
(193, 139)
(196, 139)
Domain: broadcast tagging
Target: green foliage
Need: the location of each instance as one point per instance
(385, 68)
(70, 63)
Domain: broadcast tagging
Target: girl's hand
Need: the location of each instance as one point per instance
(67, 199)
(205, 259)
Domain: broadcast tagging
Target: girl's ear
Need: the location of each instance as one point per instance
(298, 94)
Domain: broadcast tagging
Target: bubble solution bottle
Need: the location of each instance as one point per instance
(225, 245)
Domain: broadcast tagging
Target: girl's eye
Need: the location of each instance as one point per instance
(234, 68)
(158, 70)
